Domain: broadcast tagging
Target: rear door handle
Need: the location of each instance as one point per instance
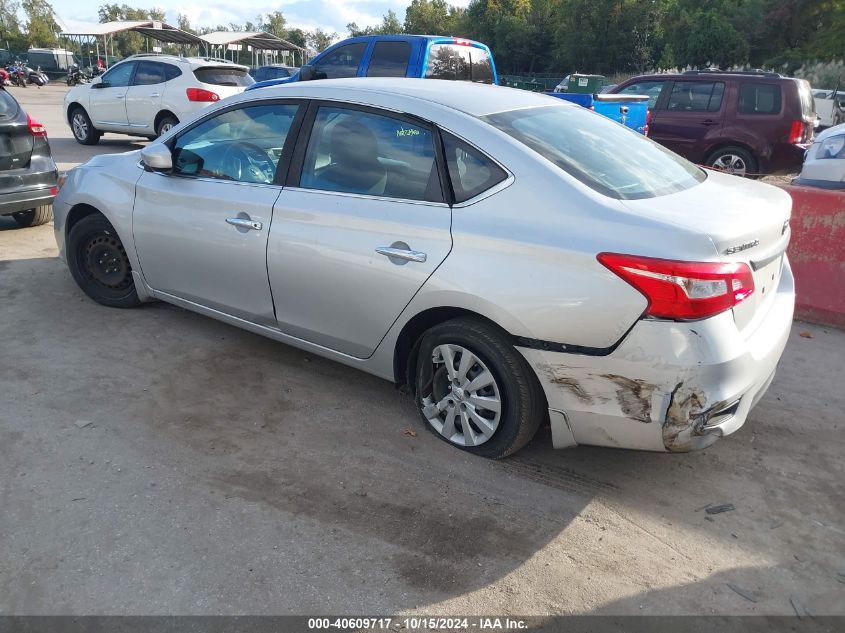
(155, 94)
(709, 122)
(243, 223)
(402, 253)
(118, 96)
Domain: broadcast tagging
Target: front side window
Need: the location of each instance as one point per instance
(242, 145)
(759, 99)
(696, 96)
(649, 88)
(389, 59)
(342, 62)
(353, 151)
(457, 62)
(470, 171)
(148, 73)
(603, 155)
(119, 76)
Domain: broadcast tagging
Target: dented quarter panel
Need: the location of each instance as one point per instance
(658, 389)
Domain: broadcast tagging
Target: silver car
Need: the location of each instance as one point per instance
(512, 258)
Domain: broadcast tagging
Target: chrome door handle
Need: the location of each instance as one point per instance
(155, 94)
(241, 223)
(401, 253)
(118, 96)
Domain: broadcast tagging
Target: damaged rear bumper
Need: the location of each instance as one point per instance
(669, 386)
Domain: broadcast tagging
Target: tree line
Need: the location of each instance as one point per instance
(544, 36)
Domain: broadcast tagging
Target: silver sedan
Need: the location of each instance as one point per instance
(511, 258)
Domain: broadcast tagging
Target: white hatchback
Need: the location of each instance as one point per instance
(147, 95)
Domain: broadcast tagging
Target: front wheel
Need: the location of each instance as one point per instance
(99, 264)
(475, 391)
(83, 130)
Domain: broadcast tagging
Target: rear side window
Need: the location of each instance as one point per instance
(390, 59)
(696, 96)
(8, 105)
(171, 72)
(352, 151)
(459, 63)
(223, 76)
(759, 99)
(342, 62)
(148, 73)
(470, 171)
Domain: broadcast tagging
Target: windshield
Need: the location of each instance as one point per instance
(604, 155)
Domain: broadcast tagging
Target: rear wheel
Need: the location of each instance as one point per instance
(99, 264)
(34, 217)
(166, 124)
(83, 130)
(475, 391)
(733, 160)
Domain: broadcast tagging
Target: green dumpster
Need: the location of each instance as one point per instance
(586, 84)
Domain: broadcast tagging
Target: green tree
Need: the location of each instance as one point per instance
(41, 26)
(319, 39)
(390, 25)
(274, 23)
(10, 27)
(430, 17)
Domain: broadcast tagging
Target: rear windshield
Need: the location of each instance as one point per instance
(808, 104)
(223, 76)
(8, 105)
(460, 63)
(602, 154)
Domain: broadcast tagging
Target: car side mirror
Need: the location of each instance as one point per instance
(307, 73)
(157, 157)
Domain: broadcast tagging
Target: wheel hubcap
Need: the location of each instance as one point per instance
(166, 128)
(464, 404)
(80, 127)
(106, 262)
(731, 163)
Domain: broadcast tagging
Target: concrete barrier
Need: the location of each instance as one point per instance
(817, 253)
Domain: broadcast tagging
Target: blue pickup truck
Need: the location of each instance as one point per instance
(629, 110)
(425, 56)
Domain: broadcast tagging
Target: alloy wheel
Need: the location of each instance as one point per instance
(465, 404)
(80, 126)
(731, 164)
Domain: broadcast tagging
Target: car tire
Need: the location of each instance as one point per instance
(514, 390)
(166, 124)
(733, 160)
(99, 264)
(83, 130)
(34, 217)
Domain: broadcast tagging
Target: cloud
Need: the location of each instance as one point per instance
(329, 15)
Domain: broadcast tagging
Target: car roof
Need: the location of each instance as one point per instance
(472, 98)
(710, 76)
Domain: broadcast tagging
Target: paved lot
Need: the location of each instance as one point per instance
(225, 473)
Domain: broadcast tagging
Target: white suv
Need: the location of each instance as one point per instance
(146, 95)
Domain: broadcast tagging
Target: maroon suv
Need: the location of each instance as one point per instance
(743, 123)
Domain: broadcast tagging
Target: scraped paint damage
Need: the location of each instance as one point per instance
(633, 396)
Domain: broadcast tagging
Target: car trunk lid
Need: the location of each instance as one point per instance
(16, 141)
(746, 221)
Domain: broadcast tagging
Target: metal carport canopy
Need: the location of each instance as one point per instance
(260, 40)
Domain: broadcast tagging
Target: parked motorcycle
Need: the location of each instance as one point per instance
(75, 76)
(17, 75)
(4, 77)
(36, 77)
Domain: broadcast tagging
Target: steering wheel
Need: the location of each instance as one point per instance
(246, 162)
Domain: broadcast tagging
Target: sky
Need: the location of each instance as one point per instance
(329, 15)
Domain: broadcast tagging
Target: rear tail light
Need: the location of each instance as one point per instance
(796, 132)
(683, 290)
(35, 128)
(200, 94)
(462, 42)
(647, 121)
